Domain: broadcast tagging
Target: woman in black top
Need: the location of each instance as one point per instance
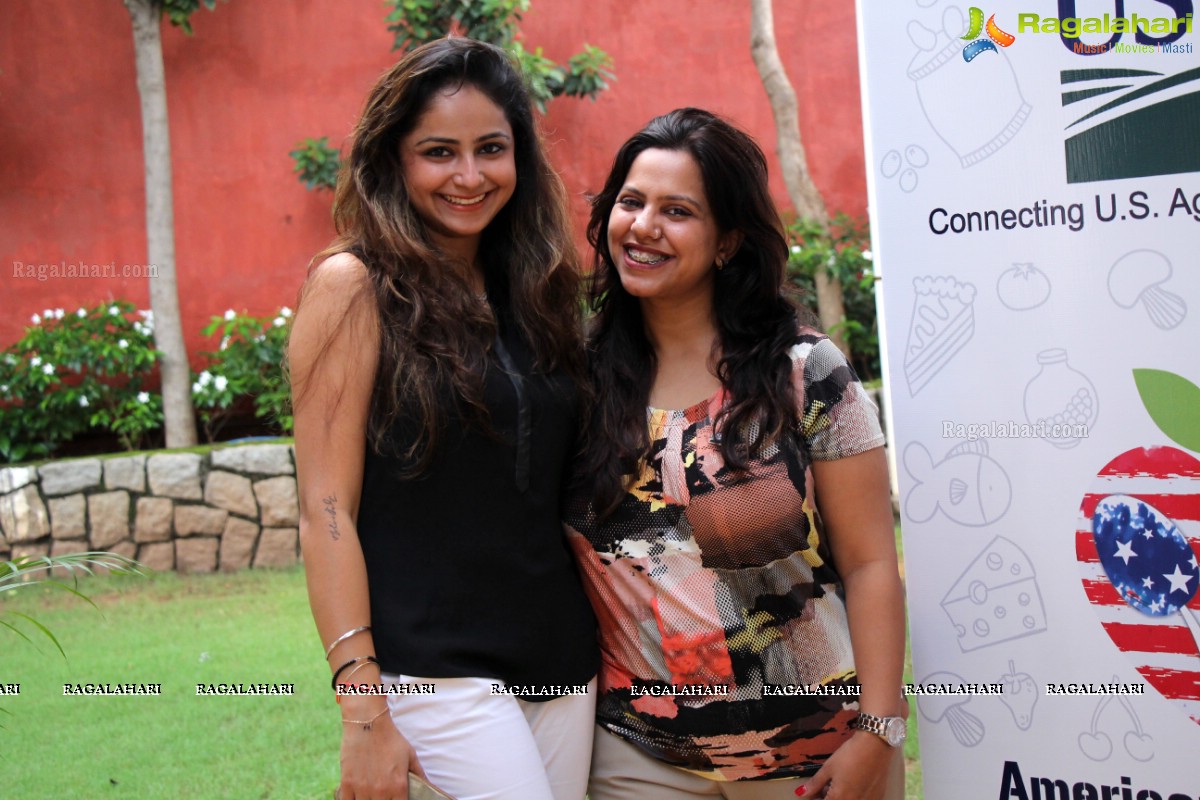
(434, 360)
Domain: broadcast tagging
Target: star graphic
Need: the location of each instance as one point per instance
(1156, 605)
(1179, 581)
(1148, 582)
(1194, 564)
(1125, 551)
(1149, 534)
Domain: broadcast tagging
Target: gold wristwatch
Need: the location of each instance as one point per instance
(891, 729)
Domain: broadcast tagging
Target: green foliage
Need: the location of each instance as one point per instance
(415, 22)
(74, 371)
(26, 571)
(248, 362)
(843, 252)
(588, 73)
(179, 12)
(1173, 402)
(316, 163)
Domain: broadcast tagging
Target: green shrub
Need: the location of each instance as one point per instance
(844, 252)
(72, 372)
(248, 363)
(316, 163)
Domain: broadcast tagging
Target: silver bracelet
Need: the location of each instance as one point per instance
(344, 637)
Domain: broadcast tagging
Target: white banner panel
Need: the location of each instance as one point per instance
(1035, 199)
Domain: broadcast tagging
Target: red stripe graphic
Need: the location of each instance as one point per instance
(1177, 507)
(1101, 592)
(1152, 638)
(1173, 683)
(1168, 462)
(1085, 547)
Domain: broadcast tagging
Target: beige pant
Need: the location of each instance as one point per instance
(622, 772)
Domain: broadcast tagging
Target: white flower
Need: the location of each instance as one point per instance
(3, 388)
(36, 361)
(122, 343)
(280, 322)
(81, 313)
(205, 378)
(197, 388)
(229, 315)
(48, 313)
(143, 397)
(35, 319)
(221, 382)
(795, 248)
(113, 310)
(867, 255)
(224, 343)
(48, 369)
(83, 401)
(58, 313)
(285, 312)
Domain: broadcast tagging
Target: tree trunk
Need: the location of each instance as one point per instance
(803, 192)
(180, 419)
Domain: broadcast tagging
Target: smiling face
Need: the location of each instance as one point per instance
(661, 232)
(459, 167)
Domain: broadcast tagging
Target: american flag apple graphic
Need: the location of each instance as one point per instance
(1137, 540)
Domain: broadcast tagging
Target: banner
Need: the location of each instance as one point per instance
(1034, 179)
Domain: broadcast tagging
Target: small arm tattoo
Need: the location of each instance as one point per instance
(331, 509)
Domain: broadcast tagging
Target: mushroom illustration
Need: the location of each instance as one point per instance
(1137, 277)
(967, 729)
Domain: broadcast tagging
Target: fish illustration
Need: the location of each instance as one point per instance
(968, 486)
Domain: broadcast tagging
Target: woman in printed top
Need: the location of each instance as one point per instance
(434, 361)
(734, 527)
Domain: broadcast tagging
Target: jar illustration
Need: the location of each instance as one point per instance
(1060, 401)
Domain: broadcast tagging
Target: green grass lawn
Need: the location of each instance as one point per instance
(912, 752)
(248, 627)
(251, 627)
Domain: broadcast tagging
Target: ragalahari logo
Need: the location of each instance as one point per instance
(976, 28)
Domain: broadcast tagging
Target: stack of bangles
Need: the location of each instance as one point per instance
(354, 665)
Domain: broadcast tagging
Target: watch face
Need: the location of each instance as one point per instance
(896, 731)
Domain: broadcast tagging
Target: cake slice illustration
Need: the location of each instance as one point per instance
(943, 321)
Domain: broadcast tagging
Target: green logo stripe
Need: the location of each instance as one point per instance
(1084, 94)
(1076, 75)
(1145, 91)
(1137, 144)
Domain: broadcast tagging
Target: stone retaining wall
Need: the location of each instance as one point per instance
(231, 508)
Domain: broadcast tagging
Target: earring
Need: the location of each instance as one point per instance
(721, 263)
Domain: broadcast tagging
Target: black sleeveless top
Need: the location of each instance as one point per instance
(467, 565)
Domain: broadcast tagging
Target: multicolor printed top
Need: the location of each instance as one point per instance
(724, 639)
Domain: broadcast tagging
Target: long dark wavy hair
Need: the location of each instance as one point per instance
(756, 321)
(434, 334)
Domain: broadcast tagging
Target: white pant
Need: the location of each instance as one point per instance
(474, 745)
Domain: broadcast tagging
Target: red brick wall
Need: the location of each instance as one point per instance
(258, 76)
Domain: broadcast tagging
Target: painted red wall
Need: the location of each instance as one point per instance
(258, 76)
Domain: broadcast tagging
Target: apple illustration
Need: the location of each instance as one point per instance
(1141, 570)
